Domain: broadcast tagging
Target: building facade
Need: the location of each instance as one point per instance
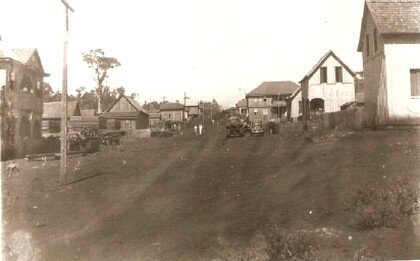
(327, 86)
(21, 82)
(172, 112)
(295, 105)
(390, 46)
(268, 101)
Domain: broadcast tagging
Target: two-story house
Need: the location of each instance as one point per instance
(268, 100)
(21, 82)
(390, 45)
(328, 85)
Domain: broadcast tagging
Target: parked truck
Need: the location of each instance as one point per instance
(234, 127)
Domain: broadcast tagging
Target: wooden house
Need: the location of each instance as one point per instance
(390, 45)
(51, 117)
(126, 114)
(268, 100)
(154, 118)
(172, 112)
(328, 85)
(192, 109)
(21, 83)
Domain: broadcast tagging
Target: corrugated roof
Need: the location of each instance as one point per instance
(322, 60)
(171, 106)
(274, 88)
(52, 110)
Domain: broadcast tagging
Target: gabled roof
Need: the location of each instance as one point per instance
(192, 103)
(21, 55)
(294, 94)
(273, 89)
(242, 103)
(392, 17)
(6, 52)
(322, 60)
(133, 103)
(52, 110)
(171, 106)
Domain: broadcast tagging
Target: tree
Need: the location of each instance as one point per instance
(100, 63)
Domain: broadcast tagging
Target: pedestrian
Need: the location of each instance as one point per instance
(200, 129)
(195, 130)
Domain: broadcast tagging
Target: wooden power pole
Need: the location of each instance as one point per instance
(63, 132)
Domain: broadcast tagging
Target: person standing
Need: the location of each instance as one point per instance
(200, 129)
(195, 130)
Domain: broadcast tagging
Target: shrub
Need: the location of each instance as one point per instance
(384, 204)
(274, 244)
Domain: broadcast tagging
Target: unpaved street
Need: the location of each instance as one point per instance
(176, 198)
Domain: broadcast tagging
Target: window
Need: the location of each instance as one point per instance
(265, 111)
(169, 115)
(338, 74)
(255, 112)
(324, 75)
(375, 40)
(300, 107)
(367, 45)
(415, 82)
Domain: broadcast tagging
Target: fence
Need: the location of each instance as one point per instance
(352, 119)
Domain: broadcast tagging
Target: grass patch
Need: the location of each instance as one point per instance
(385, 203)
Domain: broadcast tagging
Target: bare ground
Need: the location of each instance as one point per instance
(175, 198)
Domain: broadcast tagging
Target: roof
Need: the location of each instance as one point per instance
(322, 60)
(295, 94)
(273, 89)
(171, 106)
(90, 112)
(242, 103)
(52, 110)
(133, 103)
(24, 54)
(392, 17)
(6, 52)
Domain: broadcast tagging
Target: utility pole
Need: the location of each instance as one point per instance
(185, 104)
(63, 134)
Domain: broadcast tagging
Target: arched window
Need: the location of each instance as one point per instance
(317, 104)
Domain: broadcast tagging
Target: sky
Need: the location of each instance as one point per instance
(210, 49)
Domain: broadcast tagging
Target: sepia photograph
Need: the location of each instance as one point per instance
(210, 130)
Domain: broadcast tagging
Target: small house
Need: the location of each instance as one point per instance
(154, 118)
(126, 114)
(390, 46)
(328, 85)
(172, 111)
(242, 106)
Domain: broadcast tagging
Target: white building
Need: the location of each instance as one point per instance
(390, 44)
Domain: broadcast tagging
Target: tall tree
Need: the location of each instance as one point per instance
(100, 63)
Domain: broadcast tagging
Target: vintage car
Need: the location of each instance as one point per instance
(257, 129)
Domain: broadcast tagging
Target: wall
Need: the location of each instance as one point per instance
(402, 54)
(175, 115)
(294, 106)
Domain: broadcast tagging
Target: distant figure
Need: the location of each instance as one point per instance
(200, 129)
(195, 130)
(212, 121)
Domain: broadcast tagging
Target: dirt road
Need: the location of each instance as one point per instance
(175, 198)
